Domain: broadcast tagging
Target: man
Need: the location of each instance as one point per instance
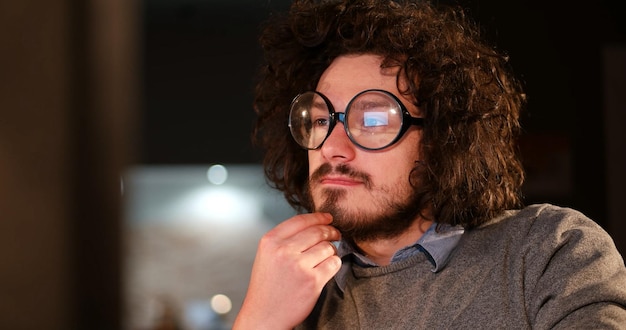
(406, 122)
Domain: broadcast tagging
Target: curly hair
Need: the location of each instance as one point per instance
(471, 102)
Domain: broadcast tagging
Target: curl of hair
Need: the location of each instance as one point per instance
(469, 171)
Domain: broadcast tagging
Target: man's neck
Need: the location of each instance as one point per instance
(381, 251)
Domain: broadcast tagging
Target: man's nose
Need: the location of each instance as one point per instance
(338, 145)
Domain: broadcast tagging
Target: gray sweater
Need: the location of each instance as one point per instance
(543, 267)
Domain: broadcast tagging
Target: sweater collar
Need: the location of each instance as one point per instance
(437, 243)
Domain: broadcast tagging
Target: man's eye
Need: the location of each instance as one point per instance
(321, 122)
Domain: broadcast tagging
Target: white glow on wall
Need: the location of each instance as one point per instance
(158, 195)
(218, 204)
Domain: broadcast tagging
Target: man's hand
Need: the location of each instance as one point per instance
(293, 263)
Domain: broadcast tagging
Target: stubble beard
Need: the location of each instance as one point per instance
(394, 213)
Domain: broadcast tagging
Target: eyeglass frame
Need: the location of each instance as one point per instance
(334, 117)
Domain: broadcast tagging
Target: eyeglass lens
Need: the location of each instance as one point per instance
(372, 120)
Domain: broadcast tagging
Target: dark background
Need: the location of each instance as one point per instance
(199, 60)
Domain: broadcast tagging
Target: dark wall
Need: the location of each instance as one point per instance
(67, 108)
(200, 60)
(199, 64)
(556, 47)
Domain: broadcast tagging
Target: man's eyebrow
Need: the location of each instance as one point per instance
(319, 104)
(375, 102)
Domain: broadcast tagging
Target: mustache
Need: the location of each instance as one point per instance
(342, 169)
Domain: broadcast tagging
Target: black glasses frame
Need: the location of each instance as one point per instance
(407, 119)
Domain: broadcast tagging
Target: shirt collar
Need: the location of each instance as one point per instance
(437, 243)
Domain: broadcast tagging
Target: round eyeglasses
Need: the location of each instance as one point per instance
(374, 119)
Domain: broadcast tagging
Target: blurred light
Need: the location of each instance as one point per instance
(198, 315)
(211, 204)
(221, 304)
(217, 174)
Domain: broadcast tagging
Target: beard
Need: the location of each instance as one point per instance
(394, 212)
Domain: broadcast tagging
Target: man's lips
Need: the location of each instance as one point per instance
(341, 175)
(340, 180)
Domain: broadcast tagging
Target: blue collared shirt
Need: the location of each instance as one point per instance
(436, 244)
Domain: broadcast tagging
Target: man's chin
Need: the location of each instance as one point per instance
(330, 199)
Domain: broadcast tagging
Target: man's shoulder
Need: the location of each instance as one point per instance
(541, 216)
(542, 224)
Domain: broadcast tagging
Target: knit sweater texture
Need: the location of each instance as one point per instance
(542, 267)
